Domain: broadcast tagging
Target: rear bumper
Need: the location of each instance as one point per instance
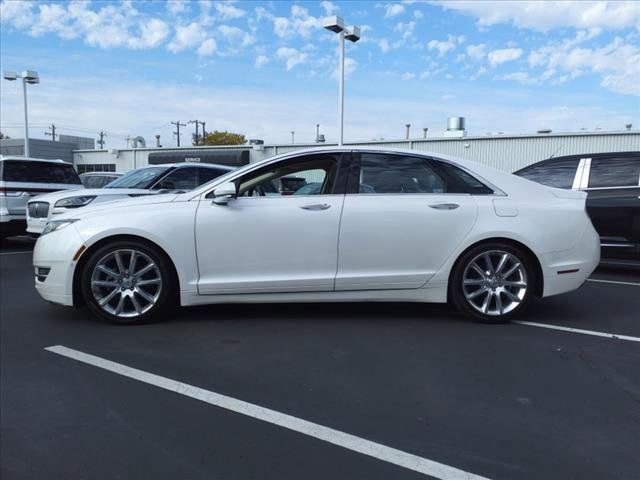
(567, 270)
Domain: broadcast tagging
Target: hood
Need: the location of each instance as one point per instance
(98, 192)
(122, 204)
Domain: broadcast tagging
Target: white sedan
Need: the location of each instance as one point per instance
(382, 226)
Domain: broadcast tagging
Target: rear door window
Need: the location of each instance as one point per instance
(614, 172)
(38, 172)
(387, 173)
(185, 178)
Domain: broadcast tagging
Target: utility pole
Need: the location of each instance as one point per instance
(52, 132)
(197, 122)
(407, 126)
(101, 140)
(204, 132)
(177, 132)
(293, 136)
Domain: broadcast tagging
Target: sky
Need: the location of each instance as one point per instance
(265, 69)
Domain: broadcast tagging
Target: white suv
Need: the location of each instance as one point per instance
(22, 178)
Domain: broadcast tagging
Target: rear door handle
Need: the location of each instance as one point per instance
(316, 206)
(444, 206)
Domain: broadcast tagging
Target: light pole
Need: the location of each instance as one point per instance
(335, 24)
(30, 77)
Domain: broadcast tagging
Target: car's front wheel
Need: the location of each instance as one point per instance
(492, 282)
(127, 282)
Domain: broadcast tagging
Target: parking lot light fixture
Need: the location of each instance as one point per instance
(32, 78)
(335, 24)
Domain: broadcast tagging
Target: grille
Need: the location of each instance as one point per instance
(38, 209)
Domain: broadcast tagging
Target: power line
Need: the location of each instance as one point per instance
(177, 131)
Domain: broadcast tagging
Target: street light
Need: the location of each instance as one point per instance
(335, 24)
(30, 77)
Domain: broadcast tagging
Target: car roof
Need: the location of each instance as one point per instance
(89, 174)
(32, 159)
(578, 156)
(189, 165)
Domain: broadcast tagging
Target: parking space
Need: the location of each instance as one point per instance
(439, 395)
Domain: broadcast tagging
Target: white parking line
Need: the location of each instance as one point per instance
(618, 282)
(578, 330)
(15, 253)
(336, 437)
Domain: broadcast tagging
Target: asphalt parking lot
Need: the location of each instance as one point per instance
(441, 397)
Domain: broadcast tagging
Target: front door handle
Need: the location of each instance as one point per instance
(316, 206)
(444, 206)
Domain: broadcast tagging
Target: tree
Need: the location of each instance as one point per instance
(3, 136)
(224, 138)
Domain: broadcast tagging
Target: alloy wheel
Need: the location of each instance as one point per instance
(126, 283)
(494, 283)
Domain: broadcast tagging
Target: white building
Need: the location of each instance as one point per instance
(505, 152)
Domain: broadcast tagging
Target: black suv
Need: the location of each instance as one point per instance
(612, 183)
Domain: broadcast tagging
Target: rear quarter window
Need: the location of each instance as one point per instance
(559, 174)
(38, 172)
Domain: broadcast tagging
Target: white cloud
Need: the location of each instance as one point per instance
(417, 14)
(445, 46)
(291, 56)
(175, 7)
(329, 7)
(618, 63)
(17, 13)
(299, 23)
(133, 109)
(393, 9)
(111, 26)
(261, 61)
(226, 11)
(408, 76)
(384, 45)
(496, 57)
(520, 77)
(350, 66)
(186, 37)
(208, 47)
(543, 16)
(152, 34)
(476, 52)
(236, 36)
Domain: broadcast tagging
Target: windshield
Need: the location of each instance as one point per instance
(141, 178)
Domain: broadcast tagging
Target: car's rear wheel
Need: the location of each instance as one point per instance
(493, 282)
(128, 282)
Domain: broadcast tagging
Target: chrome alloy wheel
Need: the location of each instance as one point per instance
(126, 283)
(494, 282)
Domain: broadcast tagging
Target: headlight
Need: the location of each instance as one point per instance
(53, 225)
(75, 202)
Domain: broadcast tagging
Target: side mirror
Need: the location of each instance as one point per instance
(224, 193)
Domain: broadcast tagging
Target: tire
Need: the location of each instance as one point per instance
(496, 294)
(112, 292)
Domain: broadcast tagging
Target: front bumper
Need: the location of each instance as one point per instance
(36, 225)
(55, 251)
